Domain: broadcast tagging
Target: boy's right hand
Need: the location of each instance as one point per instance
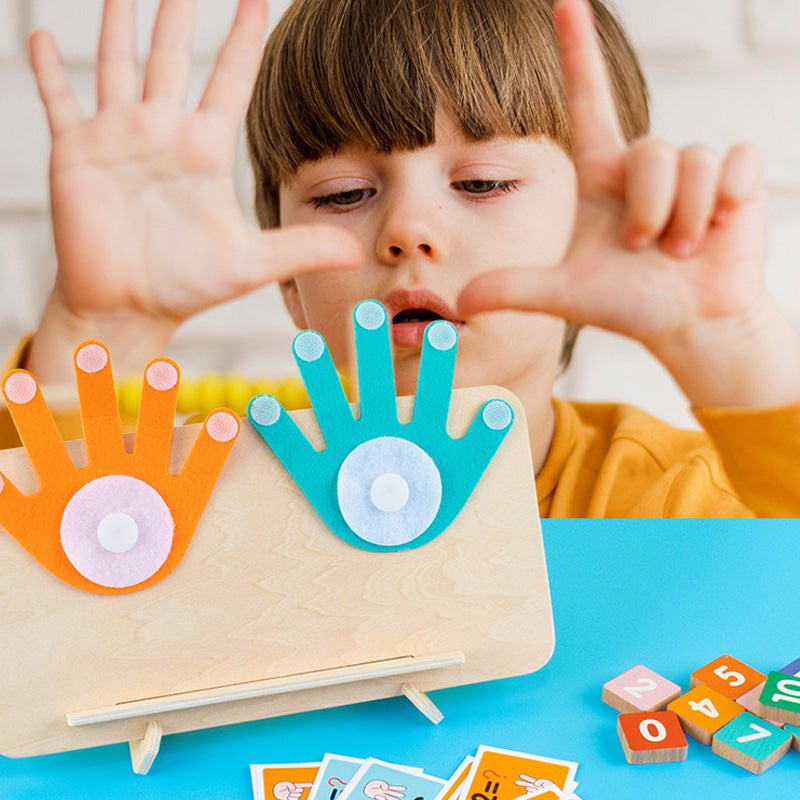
(147, 227)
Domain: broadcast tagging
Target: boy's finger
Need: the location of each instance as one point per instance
(742, 179)
(596, 130)
(231, 83)
(59, 100)
(542, 290)
(280, 254)
(116, 60)
(168, 66)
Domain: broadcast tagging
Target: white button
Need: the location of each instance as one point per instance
(389, 492)
(117, 532)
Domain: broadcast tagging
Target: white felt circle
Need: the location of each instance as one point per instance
(265, 409)
(117, 532)
(442, 335)
(497, 415)
(370, 315)
(369, 465)
(91, 358)
(309, 345)
(94, 517)
(389, 492)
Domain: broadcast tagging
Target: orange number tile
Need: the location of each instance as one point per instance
(652, 737)
(703, 711)
(729, 676)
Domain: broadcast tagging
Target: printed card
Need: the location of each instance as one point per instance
(508, 775)
(456, 787)
(377, 780)
(334, 774)
(283, 781)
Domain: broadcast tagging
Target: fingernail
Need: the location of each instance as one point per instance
(682, 248)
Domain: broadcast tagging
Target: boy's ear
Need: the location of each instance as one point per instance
(291, 299)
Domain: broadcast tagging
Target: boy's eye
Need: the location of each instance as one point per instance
(478, 186)
(347, 198)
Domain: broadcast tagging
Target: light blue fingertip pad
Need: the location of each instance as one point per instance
(380, 484)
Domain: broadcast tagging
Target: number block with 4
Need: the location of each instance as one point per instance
(652, 737)
(703, 711)
(751, 743)
(639, 689)
(728, 676)
(780, 698)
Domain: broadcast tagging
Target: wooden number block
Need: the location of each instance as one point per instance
(750, 702)
(639, 689)
(794, 732)
(703, 712)
(751, 743)
(793, 668)
(780, 698)
(652, 737)
(728, 676)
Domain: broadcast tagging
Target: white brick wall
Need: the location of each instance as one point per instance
(720, 71)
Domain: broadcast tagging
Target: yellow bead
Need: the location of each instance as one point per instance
(211, 393)
(293, 395)
(188, 396)
(129, 398)
(239, 392)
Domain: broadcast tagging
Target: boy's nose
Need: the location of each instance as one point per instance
(411, 232)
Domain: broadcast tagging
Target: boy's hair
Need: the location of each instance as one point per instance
(374, 72)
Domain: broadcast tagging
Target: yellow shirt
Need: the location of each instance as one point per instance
(612, 460)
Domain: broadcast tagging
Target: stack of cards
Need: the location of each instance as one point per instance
(491, 774)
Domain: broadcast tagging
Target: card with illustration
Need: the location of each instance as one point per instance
(456, 787)
(378, 780)
(283, 781)
(508, 775)
(334, 774)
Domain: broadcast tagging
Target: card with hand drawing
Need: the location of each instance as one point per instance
(509, 775)
(283, 781)
(334, 774)
(378, 780)
(454, 788)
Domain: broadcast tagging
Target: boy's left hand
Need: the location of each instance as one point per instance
(668, 248)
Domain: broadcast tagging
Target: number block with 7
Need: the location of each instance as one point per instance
(751, 742)
(652, 737)
(639, 689)
(728, 676)
(703, 711)
(780, 698)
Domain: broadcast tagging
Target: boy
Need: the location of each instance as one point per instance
(439, 137)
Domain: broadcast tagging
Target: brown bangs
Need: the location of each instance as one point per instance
(374, 72)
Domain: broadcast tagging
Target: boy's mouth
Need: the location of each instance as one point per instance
(412, 311)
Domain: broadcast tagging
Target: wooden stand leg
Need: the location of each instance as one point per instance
(144, 751)
(422, 703)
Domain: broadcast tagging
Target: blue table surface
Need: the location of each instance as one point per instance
(671, 595)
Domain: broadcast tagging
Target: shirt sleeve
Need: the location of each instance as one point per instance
(760, 450)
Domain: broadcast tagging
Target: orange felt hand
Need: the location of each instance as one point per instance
(122, 522)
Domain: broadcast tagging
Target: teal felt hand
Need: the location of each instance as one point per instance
(381, 484)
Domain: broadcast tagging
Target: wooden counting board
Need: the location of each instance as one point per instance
(269, 613)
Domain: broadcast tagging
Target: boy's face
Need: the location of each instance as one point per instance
(429, 220)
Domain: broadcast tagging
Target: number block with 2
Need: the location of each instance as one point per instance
(652, 737)
(639, 689)
(751, 742)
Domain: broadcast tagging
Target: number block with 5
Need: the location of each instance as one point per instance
(728, 676)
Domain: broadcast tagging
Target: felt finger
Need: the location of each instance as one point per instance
(117, 79)
(696, 196)
(596, 130)
(544, 290)
(156, 421)
(169, 63)
(15, 508)
(436, 370)
(282, 434)
(36, 426)
(651, 176)
(60, 103)
(741, 180)
(231, 82)
(280, 254)
(376, 389)
(102, 429)
(323, 385)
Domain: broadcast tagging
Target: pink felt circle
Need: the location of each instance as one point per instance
(91, 358)
(20, 388)
(162, 375)
(222, 426)
(90, 505)
(2, 484)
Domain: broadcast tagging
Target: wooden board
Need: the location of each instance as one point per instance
(267, 593)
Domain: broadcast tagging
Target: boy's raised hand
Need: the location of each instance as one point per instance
(668, 248)
(146, 223)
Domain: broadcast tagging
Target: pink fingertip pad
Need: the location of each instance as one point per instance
(20, 388)
(162, 375)
(222, 426)
(91, 358)
(2, 484)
